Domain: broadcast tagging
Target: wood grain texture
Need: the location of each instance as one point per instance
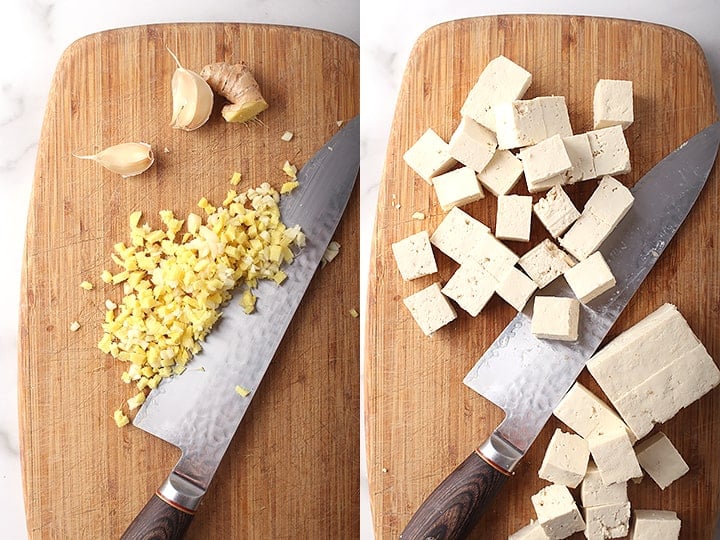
(291, 470)
(421, 420)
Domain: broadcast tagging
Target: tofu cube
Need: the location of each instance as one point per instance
(519, 123)
(502, 173)
(414, 256)
(494, 256)
(472, 144)
(514, 215)
(613, 454)
(456, 232)
(661, 460)
(555, 116)
(471, 286)
(545, 262)
(610, 201)
(581, 157)
(502, 80)
(556, 211)
(430, 309)
(590, 278)
(655, 524)
(516, 289)
(612, 104)
(608, 521)
(595, 492)
(457, 188)
(585, 236)
(557, 512)
(429, 156)
(566, 459)
(544, 160)
(610, 151)
(532, 531)
(555, 318)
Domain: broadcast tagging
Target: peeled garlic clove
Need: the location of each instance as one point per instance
(192, 98)
(125, 159)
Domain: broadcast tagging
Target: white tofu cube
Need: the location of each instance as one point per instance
(661, 460)
(502, 173)
(555, 318)
(501, 80)
(472, 144)
(456, 232)
(613, 103)
(555, 116)
(494, 256)
(544, 160)
(610, 151)
(457, 188)
(610, 201)
(556, 211)
(590, 278)
(566, 459)
(581, 157)
(414, 256)
(614, 456)
(429, 156)
(514, 215)
(595, 492)
(430, 309)
(586, 414)
(532, 531)
(516, 289)
(557, 512)
(609, 521)
(655, 524)
(545, 262)
(519, 123)
(471, 286)
(585, 236)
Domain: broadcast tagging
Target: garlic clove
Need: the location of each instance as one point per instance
(125, 159)
(192, 98)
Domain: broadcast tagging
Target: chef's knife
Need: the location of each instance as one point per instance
(200, 410)
(527, 376)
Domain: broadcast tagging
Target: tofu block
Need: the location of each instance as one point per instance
(556, 211)
(545, 262)
(456, 232)
(595, 492)
(430, 309)
(519, 123)
(457, 188)
(590, 278)
(585, 236)
(586, 414)
(609, 521)
(532, 531)
(610, 201)
(613, 104)
(555, 318)
(557, 512)
(555, 116)
(494, 256)
(472, 144)
(544, 160)
(502, 173)
(661, 460)
(502, 80)
(471, 286)
(414, 256)
(514, 215)
(614, 456)
(566, 459)
(581, 157)
(429, 156)
(611, 154)
(516, 289)
(654, 525)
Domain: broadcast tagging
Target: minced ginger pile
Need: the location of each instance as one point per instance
(174, 283)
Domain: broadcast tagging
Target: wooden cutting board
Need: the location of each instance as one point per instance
(421, 420)
(291, 471)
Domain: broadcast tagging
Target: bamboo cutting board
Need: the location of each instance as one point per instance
(291, 471)
(421, 420)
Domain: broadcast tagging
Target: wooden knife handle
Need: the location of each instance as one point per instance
(453, 509)
(158, 520)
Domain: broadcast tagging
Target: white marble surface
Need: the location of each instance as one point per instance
(34, 35)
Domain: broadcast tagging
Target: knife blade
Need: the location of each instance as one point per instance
(200, 410)
(527, 377)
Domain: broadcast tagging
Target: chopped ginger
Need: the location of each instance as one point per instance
(287, 136)
(248, 302)
(86, 285)
(330, 253)
(110, 305)
(353, 313)
(120, 418)
(235, 179)
(74, 326)
(135, 401)
(244, 392)
(290, 170)
(287, 187)
(418, 215)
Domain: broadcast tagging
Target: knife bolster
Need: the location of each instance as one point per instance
(499, 453)
(181, 493)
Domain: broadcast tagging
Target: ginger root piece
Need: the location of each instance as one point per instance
(236, 83)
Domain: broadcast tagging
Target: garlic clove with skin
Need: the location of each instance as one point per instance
(192, 98)
(125, 159)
